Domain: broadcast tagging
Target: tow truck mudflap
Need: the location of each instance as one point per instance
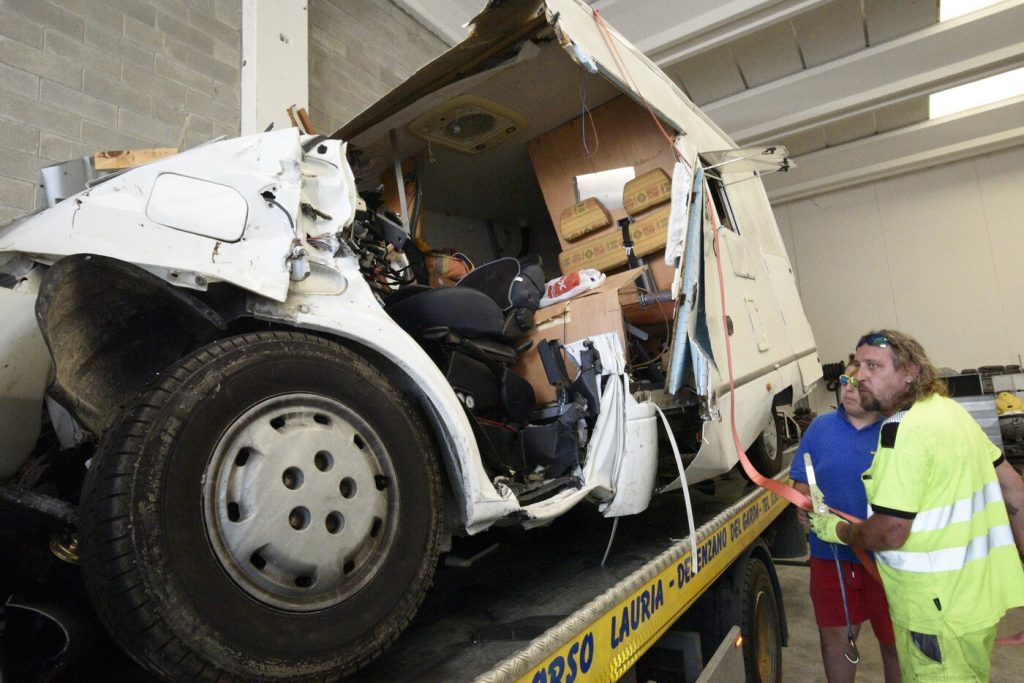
(726, 666)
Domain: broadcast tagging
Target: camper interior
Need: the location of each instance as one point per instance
(500, 163)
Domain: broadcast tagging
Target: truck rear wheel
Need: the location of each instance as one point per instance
(761, 626)
(269, 509)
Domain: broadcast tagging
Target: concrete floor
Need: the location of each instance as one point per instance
(801, 661)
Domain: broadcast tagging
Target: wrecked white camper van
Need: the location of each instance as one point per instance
(266, 416)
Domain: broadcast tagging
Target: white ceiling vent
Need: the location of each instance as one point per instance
(468, 124)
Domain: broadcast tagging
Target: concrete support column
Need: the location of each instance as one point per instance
(275, 62)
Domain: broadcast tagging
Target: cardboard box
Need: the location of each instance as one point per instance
(646, 191)
(586, 216)
(605, 251)
(595, 312)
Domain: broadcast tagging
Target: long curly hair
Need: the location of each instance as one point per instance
(907, 350)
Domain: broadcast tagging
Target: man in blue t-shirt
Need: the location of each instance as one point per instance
(842, 445)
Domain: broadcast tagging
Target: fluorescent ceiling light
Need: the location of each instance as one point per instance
(977, 94)
(951, 9)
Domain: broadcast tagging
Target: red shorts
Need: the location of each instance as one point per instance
(864, 595)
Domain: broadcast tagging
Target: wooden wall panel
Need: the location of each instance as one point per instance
(626, 136)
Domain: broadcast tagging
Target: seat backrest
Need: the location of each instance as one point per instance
(494, 279)
(528, 288)
(467, 311)
(515, 285)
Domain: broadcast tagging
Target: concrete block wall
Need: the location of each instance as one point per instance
(358, 51)
(81, 76)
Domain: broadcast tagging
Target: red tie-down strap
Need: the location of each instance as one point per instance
(788, 492)
(777, 487)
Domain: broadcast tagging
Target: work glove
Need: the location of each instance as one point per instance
(824, 526)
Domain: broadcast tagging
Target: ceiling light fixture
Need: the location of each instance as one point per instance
(977, 94)
(951, 9)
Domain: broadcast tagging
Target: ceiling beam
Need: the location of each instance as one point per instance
(667, 35)
(978, 131)
(938, 57)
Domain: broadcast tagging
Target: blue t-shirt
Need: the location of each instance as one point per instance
(840, 453)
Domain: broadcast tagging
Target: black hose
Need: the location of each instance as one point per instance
(269, 198)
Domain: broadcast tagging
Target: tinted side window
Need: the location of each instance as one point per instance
(721, 201)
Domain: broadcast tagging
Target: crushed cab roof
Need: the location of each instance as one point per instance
(503, 25)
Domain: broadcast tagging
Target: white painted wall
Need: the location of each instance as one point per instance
(275, 56)
(937, 253)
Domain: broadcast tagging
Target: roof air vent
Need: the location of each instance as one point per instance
(468, 124)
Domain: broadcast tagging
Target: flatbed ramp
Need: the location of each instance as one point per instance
(540, 607)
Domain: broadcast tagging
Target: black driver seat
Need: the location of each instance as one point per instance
(468, 330)
(469, 312)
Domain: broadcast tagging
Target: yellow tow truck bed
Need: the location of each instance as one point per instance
(540, 608)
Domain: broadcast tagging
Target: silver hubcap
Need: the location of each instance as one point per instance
(300, 502)
(770, 436)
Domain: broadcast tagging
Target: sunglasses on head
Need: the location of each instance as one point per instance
(879, 340)
(848, 379)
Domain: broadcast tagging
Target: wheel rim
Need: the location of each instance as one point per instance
(765, 656)
(770, 438)
(300, 502)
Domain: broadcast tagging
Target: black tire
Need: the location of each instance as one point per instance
(248, 443)
(764, 454)
(761, 626)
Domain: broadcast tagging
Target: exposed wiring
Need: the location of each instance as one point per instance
(268, 197)
(609, 39)
(584, 113)
(388, 277)
(322, 242)
(668, 334)
(495, 423)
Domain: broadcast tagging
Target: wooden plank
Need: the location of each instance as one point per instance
(307, 124)
(129, 158)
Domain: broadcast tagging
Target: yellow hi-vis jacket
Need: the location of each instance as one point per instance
(959, 566)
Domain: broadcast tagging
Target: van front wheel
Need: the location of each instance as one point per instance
(269, 509)
(764, 454)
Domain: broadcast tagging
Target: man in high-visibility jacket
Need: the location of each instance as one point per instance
(946, 516)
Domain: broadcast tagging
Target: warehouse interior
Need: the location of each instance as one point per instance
(901, 209)
(920, 209)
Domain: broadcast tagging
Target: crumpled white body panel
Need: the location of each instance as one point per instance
(120, 218)
(622, 455)
(355, 313)
(111, 219)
